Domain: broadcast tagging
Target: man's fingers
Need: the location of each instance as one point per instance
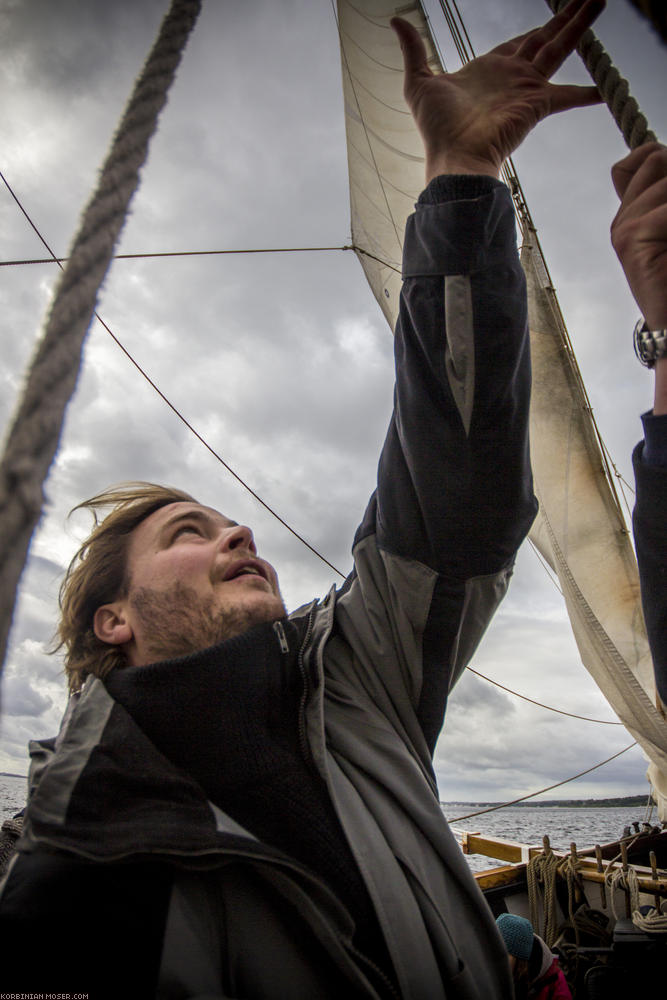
(650, 204)
(623, 172)
(531, 42)
(564, 97)
(415, 59)
(518, 45)
(562, 37)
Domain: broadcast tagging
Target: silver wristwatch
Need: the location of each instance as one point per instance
(649, 344)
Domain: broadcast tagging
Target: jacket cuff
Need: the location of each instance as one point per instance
(468, 229)
(655, 438)
(451, 187)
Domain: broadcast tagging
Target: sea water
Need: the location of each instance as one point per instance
(12, 795)
(585, 825)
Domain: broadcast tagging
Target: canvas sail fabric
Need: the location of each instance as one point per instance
(580, 529)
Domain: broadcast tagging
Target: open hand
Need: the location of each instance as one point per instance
(474, 119)
(639, 231)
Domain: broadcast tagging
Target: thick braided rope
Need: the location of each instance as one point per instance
(627, 882)
(613, 87)
(569, 869)
(34, 436)
(655, 920)
(543, 869)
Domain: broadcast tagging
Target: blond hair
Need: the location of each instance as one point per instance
(98, 575)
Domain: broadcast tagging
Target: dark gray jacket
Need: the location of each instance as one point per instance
(650, 531)
(223, 915)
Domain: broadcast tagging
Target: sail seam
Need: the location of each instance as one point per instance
(634, 691)
(354, 93)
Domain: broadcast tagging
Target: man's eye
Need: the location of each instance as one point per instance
(186, 528)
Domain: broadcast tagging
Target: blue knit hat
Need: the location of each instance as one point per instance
(517, 933)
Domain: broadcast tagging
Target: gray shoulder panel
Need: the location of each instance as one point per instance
(483, 594)
(76, 743)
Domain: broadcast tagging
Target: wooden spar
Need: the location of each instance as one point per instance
(517, 854)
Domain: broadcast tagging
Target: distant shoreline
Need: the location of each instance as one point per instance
(630, 801)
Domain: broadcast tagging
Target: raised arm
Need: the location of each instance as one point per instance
(639, 236)
(472, 120)
(457, 450)
(454, 500)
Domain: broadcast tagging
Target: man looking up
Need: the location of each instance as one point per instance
(241, 803)
(194, 580)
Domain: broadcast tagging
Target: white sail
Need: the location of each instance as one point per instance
(580, 529)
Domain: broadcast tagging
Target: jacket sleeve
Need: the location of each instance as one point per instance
(650, 531)
(454, 496)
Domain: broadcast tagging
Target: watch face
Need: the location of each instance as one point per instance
(649, 344)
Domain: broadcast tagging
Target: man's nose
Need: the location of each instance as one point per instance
(239, 536)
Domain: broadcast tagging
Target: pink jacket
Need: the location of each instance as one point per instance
(550, 983)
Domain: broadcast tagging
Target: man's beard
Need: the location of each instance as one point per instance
(178, 621)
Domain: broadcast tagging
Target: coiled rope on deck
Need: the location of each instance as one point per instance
(654, 920)
(541, 871)
(34, 436)
(614, 89)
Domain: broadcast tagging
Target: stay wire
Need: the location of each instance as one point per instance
(180, 253)
(175, 410)
(540, 704)
(532, 795)
(196, 253)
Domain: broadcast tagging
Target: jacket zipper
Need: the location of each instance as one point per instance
(363, 959)
(305, 684)
(282, 638)
(382, 977)
(302, 735)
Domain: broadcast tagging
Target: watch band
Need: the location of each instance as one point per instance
(650, 345)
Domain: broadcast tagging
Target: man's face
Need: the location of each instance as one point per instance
(194, 580)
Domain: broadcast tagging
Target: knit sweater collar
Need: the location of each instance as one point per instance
(220, 714)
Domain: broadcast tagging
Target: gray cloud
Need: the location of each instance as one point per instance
(20, 698)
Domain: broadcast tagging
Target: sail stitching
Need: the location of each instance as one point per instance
(634, 688)
(389, 107)
(532, 246)
(379, 176)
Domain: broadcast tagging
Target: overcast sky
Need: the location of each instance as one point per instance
(283, 362)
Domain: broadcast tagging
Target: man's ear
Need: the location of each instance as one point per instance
(110, 625)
